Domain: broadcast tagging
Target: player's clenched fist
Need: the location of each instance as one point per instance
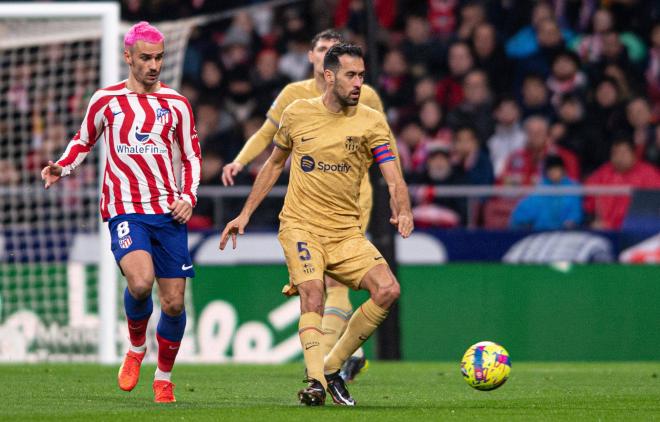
(181, 211)
(233, 228)
(51, 174)
(229, 171)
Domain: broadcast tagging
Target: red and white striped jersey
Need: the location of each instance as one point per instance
(147, 137)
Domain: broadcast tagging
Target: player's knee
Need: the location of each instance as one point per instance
(388, 294)
(140, 290)
(172, 306)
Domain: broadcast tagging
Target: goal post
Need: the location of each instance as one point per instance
(105, 17)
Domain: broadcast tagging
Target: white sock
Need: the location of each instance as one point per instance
(138, 349)
(164, 376)
(359, 353)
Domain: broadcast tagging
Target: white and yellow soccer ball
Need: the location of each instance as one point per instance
(486, 365)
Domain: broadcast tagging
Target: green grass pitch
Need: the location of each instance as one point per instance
(388, 391)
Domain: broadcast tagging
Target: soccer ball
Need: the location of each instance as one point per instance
(486, 365)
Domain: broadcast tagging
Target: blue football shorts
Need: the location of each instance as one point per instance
(160, 235)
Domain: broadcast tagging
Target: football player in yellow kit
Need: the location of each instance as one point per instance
(332, 140)
(338, 307)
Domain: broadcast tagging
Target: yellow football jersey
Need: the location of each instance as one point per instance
(330, 153)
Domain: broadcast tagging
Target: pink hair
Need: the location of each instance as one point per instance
(142, 31)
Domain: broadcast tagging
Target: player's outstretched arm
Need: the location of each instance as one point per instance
(81, 144)
(258, 142)
(51, 174)
(400, 200)
(262, 185)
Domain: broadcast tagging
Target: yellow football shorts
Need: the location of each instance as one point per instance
(309, 256)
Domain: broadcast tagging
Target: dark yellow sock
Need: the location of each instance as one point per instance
(309, 330)
(364, 322)
(338, 310)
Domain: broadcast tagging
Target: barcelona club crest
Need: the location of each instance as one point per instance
(352, 143)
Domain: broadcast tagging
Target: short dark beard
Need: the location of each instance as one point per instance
(344, 101)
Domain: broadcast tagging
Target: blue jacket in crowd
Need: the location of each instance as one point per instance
(543, 212)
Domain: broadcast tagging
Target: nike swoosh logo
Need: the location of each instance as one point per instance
(310, 346)
(363, 338)
(119, 112)
(303, 140)
(378, 257)
(184, 267)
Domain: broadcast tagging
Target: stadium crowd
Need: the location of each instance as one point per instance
(505, 92)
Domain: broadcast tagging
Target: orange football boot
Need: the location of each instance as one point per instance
(163, 391)
(129, 371)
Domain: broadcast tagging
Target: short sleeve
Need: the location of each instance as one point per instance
(282, 101)
(379, 142)
(282, 139)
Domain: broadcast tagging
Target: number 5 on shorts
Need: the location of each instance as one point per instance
(304, 252)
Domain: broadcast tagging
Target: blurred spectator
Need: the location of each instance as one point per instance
(571, 130)
(606, 117)
(395, 84)
(476, 108)
(352, 13)
(209, 175)
(267, 79)
(608, 212)
(508, 136)
(212, 80)
(294, 64)
(566, 78)
(236, 48)
(590, 46)
(9, 176)
(489, 56)
(442, 17)
(431, 122)
(535, 97)
(211, 119)
(638, 115)
(626, 86)
(240, 100)
(412, 150)
(541, 33)
(422, 52)
(614, 52)
(525, 166)
(425, 89)
(652, 74)
(459, 62)
(549, 212)
(472, 15)
(293, 27)
(471, 159)
(550, 43)
(438, 210)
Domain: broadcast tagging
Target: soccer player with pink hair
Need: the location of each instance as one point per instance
(145, 126)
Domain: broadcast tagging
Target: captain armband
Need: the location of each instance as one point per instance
(383, 153)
